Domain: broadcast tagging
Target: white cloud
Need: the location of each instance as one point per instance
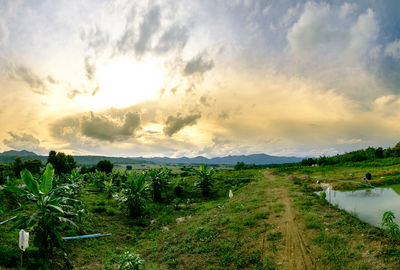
(266, 10)
(347, 9)
(393, 49)
(348, 141)
(364, 33)
(313, 28)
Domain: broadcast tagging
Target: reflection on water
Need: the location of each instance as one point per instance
(369, 204)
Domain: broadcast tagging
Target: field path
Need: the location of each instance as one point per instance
(295, 254)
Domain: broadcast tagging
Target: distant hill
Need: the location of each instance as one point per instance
(14, 153)
(258, 159)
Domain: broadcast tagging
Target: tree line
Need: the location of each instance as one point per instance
(369, 153)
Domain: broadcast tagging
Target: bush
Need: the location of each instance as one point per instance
(368, 176)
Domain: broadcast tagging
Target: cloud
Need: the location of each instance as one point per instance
(198, 65)
(3, 32)
(51, 79)
(73, 93)
(266, 10)
(24, 74)
(96, 39)
(176, 123)
(151, 32)
(101, 127)
(347, 9)
(364, 33)
(149, 26)
(23, 141)
(393, 49)
(174, 38)
(90, 68)
(349, 141)
(314, 28)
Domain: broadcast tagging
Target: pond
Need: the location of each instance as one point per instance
(368, 204)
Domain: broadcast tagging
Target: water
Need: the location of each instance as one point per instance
(368, 204)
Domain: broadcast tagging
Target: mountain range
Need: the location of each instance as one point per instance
(258, 159)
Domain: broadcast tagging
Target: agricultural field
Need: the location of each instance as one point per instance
(154, 218)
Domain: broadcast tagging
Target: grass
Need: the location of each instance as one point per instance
(245, 231)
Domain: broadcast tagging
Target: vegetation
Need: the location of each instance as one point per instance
(182, 218)
(53, 208)
(159, 181)
(133, 193)
(205, 181)
(391, 227)
(61, 162)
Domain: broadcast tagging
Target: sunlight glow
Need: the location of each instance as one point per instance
(124, 83)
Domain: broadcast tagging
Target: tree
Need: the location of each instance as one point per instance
(396, 149)
(239, 166)
(61, 162)
(6, 172)
(17, 165)
(52, 158)
(33, 165)
(104, 166)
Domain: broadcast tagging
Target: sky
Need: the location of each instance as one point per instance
(188, 78)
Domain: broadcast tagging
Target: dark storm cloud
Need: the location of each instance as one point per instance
(176, 123)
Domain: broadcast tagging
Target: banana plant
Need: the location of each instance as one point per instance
(391, 227)
(52, 210)
(205, 179)
(134, 193)
(109, 188)
(159, 180)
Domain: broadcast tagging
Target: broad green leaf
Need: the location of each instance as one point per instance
(30, 183)
(16, 190)
(20, 222)
(57, 208)
(47, 179)
(66, 220)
